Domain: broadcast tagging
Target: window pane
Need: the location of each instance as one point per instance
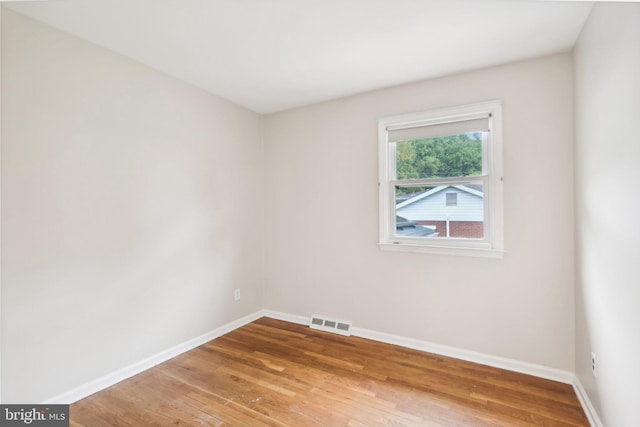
(440, 157)
(429, 211)
(452, 199)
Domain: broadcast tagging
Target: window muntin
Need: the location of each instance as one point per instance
(443, 170)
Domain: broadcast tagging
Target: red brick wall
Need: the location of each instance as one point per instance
(441, 226)
(468, 229)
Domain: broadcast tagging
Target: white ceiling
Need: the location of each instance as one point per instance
(271, 55)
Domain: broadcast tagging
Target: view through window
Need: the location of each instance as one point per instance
(440, 178)
(450, 210)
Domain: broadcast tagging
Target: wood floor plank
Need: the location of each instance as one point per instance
(271, 373)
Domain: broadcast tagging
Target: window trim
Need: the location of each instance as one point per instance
(493, 244)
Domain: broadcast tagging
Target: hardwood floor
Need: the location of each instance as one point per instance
(274, 373)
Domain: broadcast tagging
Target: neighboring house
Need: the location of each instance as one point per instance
(454, 210)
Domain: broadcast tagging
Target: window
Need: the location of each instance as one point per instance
(441, 173)
(452, 199)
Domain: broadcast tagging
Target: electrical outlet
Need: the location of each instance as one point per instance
(236, 295)
(594, 364)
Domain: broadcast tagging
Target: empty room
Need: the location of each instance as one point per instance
(320, 213)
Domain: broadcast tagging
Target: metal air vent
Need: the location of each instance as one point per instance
(330, 325)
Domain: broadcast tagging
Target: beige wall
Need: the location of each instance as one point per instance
(322, 220)
(607, 64)
(1, 400)
(133, 205)
(131, 208)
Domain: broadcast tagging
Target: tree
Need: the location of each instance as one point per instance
(445, 156)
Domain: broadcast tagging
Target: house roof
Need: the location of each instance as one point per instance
(476, 190)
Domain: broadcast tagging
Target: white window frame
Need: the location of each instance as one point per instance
(492, 245)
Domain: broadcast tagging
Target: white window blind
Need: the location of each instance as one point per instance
(408, 132)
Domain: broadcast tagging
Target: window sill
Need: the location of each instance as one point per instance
(443, 250)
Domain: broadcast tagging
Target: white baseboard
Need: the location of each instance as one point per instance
(471, 356)
(293, 318)
(443, 350)
(587, 406)
(138, 367)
